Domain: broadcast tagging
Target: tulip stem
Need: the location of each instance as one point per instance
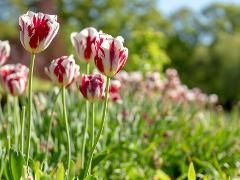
(85, 127)
(22, 128)
(16, 122)
(9, 122)
(86, 170)
(50, 127)
(30, 104)
(92, 132)
(67, 129)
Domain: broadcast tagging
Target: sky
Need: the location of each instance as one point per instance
(169, 6)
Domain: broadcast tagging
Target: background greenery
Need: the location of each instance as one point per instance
(203, 46)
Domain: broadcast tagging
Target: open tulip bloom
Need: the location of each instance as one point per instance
(37, 30)
(63, 70)
(82, 43)
(4, 51)
(110, 54)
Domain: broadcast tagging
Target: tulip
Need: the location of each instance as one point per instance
(9, 69)
(92, 87)
(110, 54)
(37, 30)
(109, 57)
(83, 42)
(14, 81)
(4, 51)
(63, 70)
(16, 84)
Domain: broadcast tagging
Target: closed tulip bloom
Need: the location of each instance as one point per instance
(4, 51)
(92, 87)
(9, 69)
(83, 42)
(37, 30)
(110, 54)
(63, 70)
(16, 84)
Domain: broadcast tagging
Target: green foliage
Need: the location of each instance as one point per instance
(146, 51)
(204, 49)
(131, 146)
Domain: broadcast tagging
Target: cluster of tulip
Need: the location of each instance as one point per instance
(168, 89)
(37, 30)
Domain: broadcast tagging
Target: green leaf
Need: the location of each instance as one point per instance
(98, 158)
(16, 163)
(6, 171)
(205, 177)
(60, 172)
(39, 175)
(161, 175)
(90, 178)
(191, 172)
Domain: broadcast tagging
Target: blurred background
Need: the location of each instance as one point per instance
(201, 39)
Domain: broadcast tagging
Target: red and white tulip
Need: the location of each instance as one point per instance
(37, 30)
(110, 54)
(63, 70)
(16, 84)
(9, 69)
(83, 41)
(4, 51)
(92, 87)
(14, 78)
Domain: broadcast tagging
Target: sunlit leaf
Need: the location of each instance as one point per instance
(191, 172)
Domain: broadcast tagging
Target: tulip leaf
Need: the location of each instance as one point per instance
(60, 172)
(191, 172)
(98, 158)
(16, 163)
(90, 177)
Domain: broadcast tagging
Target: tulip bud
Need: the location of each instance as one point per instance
(110, 54)
(4, 51)
(83, 42)
(92, 87)
(63, 70)
(16, 84)
(37, 30)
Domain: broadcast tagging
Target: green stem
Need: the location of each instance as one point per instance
(9, 122)
(16, 122)
(85, 128)
(93, 124)
(92, 132)
(50, 126)
(86, 170)
(22, 128)
(67, 129)
(30, 104)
